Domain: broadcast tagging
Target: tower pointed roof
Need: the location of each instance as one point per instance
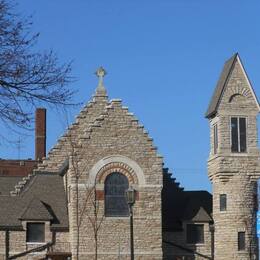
(222, 83)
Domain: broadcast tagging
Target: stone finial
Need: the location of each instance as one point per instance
(101, 91)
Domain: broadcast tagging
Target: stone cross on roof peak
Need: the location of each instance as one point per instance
(100, 74)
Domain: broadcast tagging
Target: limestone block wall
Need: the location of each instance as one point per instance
(2, 245)
(17, 243)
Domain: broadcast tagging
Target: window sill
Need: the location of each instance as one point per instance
(35, 243)
(239, 154)
(114, 217)
(195, 244)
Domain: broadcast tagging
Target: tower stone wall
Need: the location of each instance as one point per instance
(234, 173)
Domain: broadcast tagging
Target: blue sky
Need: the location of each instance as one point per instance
(163, 60)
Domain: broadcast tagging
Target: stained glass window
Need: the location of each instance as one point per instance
(115, 201)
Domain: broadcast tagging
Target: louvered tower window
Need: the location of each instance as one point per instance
(115, 201)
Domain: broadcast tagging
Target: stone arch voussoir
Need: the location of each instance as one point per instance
(116, 163)
(116, 167)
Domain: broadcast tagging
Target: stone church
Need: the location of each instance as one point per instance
(71, 204)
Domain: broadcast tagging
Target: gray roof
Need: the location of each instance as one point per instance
(36, 210)
(228, 67)
(42, 199)
(7, 184)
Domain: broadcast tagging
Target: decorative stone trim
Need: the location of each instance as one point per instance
(119, 163)
(117, 167)
(236, 98)
(239, 90)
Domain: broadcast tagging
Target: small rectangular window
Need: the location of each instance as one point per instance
(241, 241)
(215, 129)
(238, 134)
(35, 232)
(195, 233)
(223, 202)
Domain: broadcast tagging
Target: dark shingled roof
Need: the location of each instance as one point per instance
(52, 204)
(198, 206)
(36, 210)
(229, 64)
(7, 184)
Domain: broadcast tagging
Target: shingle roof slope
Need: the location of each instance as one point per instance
(7, 184)
(36, 210)
(49, 188)
(212, 108)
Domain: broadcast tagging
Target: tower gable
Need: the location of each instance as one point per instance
(233, 90)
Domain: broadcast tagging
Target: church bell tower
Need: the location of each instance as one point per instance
(233, 164)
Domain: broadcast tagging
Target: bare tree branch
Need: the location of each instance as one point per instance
(27, 78)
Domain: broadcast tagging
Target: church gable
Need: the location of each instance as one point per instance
(118, 132)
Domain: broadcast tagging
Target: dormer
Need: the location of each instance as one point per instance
(232, 112)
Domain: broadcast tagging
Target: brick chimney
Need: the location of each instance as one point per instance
(40, 133)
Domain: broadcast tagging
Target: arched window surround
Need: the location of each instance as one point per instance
(116, 167)
(127, 166)
(115, 163)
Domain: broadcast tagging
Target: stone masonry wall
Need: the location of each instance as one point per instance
(17, 243)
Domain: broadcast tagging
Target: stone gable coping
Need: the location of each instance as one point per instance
(56, 149)
(21, 184)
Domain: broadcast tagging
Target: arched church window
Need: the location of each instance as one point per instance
(115, 201)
